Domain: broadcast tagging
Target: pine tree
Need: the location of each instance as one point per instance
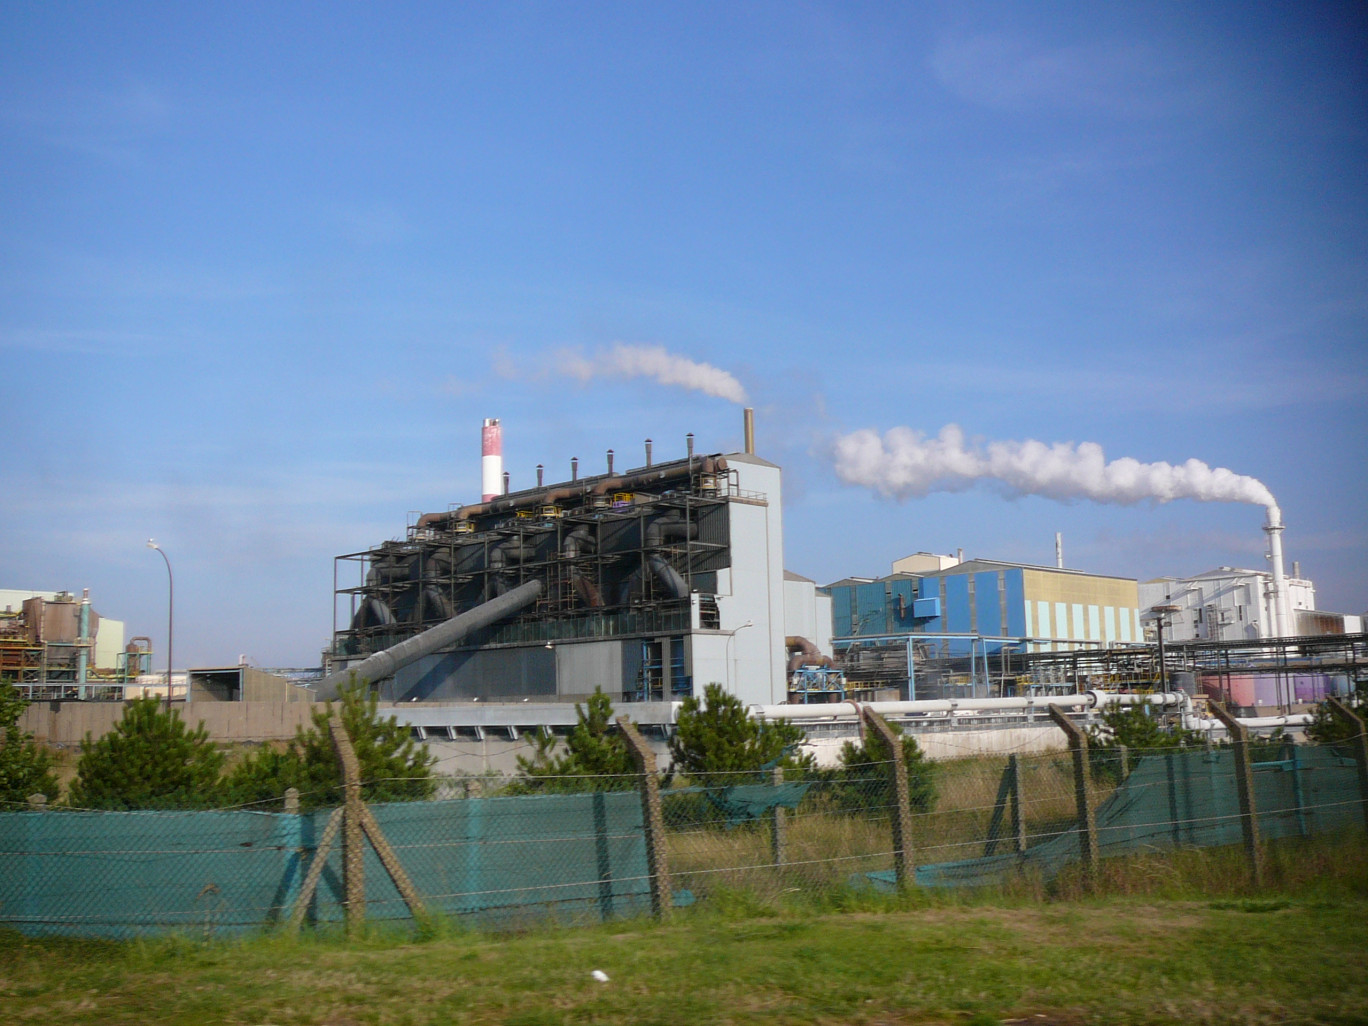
(717, 736)
(25, 768)
(393, 766)
(596, 756)
(148, 761)
(865, 772)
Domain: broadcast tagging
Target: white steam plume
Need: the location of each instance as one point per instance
(905, 463)
(656, 362)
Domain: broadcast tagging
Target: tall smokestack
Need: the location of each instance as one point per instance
(491, 459)
(540, 468)
(610, 461)
(1278, 599)
(574, 468)
(748, 420)
(1059, 550)
(648, 454)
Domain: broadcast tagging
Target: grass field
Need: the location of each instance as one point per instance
(1296, 958)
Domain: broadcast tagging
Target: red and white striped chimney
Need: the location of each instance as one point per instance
(491, 459)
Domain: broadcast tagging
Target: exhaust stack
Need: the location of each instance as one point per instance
(748, 420)
(1278, 596)
(491, 459)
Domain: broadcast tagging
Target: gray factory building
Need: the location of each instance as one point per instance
(654, 582)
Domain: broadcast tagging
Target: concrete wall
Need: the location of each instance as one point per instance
(66, 723)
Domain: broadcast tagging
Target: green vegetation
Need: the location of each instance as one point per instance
(1134, 728)
(864, 771)
(1327, 727)
(1276, 959)
(596, 756)
(393, 766)
(25, 768)
(716, 735)
(148, 761)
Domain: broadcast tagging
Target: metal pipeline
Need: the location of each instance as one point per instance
(391, 660)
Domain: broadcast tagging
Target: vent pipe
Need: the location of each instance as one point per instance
(688, 443)
(491, 458)
(610, 461)
(1278, 596)
(540, 468)
(574, 468)
(505, 482)
(1059, 550)
(648, 454)
(748, 420)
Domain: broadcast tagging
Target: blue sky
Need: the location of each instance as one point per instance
(265, 267)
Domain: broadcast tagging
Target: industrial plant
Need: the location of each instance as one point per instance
(486, 622)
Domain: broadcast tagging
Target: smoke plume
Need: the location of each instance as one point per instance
(657, 363)
(905, 463)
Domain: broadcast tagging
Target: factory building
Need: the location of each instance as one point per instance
(939, 609)
(55, 645)
(651, 583)
(1231, 604)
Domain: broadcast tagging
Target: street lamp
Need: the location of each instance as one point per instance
(727, 649)
(1160, 612)
(170, 615)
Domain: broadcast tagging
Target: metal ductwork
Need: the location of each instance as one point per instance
(644, 480)
(387, 663)
(804, 653)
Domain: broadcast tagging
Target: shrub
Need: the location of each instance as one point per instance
(596, 756)
(393, 766)
(148, 761)
(717, 736)
(863, 779)
(25, 768)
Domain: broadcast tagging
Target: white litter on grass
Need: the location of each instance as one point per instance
(599, 975)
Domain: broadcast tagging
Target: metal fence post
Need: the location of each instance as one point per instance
(1244, 787)
(778, 823)
(904, 858)
(1087, 824)
(652, 819)
(353, 855)
(1360, 745)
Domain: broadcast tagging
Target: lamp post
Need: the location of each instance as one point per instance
(170, 615)
(1161, 612)
(731, 634)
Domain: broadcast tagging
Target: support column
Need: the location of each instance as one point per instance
(353, 854)
(1244, 786)
(904, 857)
(653, 820)
(1087, 824)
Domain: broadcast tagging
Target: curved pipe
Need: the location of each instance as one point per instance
(804, 653)
(581, 537)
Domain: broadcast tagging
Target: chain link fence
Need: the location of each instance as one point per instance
(500, 852)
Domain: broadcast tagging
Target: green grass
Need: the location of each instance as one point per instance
(832, 957)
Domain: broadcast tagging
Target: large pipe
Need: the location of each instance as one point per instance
(851, 710)
(491, 457)
(1274, 528)
(748, 422)
(385, 664)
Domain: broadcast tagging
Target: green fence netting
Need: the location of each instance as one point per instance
(1184, 798)
(497, 861)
